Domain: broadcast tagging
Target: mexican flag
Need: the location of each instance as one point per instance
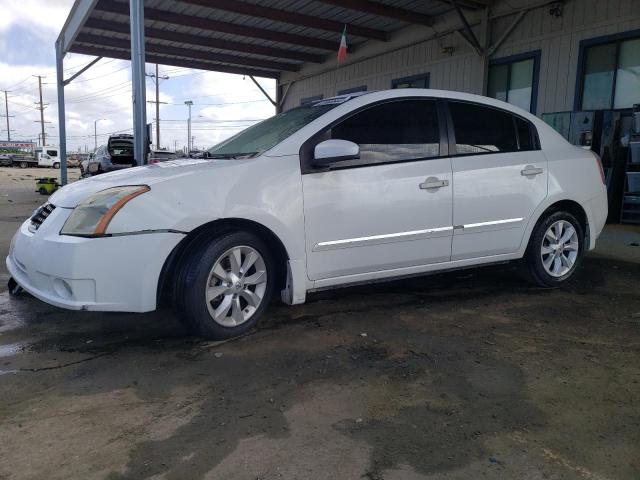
(342, 51)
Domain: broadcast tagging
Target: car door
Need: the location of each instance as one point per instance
(391, 208)
(499, 178)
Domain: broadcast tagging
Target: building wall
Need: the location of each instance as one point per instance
(413, 52)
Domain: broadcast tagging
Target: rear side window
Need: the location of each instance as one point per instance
(525, 135)
(393, 131)
(480, 129)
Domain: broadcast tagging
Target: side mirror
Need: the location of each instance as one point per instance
(335, 151)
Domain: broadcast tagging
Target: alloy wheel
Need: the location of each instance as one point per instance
(559, 250)
(236, 286)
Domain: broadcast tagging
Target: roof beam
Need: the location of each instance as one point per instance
(159, 34)
(188, 53)
(174, 62)
(469, 35)
(80, 12)
(382, 10)
(264, 92)
(286, 16)
(193, 21)
(81, 71)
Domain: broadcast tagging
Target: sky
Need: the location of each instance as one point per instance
(223, 104)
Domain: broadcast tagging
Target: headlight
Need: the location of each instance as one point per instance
(91, 218)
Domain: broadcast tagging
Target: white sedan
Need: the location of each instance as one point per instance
(351, 189)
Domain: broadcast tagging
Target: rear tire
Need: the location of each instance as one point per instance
(224, 284)
(24, 164)
(43, 191)
(550, 260)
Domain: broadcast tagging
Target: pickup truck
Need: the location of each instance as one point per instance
(38, 157)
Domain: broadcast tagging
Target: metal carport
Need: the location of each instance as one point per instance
(251, 37)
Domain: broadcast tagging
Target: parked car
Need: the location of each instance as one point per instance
(352, 189)
(197, 154)
(117, 154)
(157, 156)
(73, 161)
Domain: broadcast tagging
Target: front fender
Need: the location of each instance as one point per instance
(267, 191)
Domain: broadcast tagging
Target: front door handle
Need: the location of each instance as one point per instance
(530, 170)
(433, 183)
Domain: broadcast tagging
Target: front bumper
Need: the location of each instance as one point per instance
(118, 273)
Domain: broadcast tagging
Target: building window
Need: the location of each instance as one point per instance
(416, 81)
(515, 80)
(308, 100)
(609, 73)
(361, 88)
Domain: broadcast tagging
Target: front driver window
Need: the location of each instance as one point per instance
(393, 131)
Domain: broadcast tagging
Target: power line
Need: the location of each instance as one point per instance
(223, 104)
(101, 76)
(216, 120)
(99, 93)
(13, 87)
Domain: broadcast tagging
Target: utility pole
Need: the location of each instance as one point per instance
(156, 79)
(189, 103)
(6, 109)
(41, 108)
(95, 133)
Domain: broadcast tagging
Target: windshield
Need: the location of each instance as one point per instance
(268, 133)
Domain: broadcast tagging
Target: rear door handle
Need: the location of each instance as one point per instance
(433, 183)
(530, 170)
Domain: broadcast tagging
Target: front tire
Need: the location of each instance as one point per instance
(56, 165)
(224, 284)
(555, 249)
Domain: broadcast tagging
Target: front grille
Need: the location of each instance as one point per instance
(41, 214)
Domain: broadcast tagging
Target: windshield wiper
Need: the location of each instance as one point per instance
(233, 156)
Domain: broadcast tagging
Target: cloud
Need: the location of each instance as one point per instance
(223, 104)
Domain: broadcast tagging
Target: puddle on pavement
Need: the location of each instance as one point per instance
(8, 372)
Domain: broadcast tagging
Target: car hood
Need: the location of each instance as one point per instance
(74, 193)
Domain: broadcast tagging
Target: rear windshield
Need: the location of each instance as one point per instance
(268, 133)
(120, 147)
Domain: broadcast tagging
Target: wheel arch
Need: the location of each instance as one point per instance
(215, 228)
(566, 205)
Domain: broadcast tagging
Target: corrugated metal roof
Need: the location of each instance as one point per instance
(249, 36)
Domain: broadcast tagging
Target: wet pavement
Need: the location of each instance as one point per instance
(467, 375)
(473, 374)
